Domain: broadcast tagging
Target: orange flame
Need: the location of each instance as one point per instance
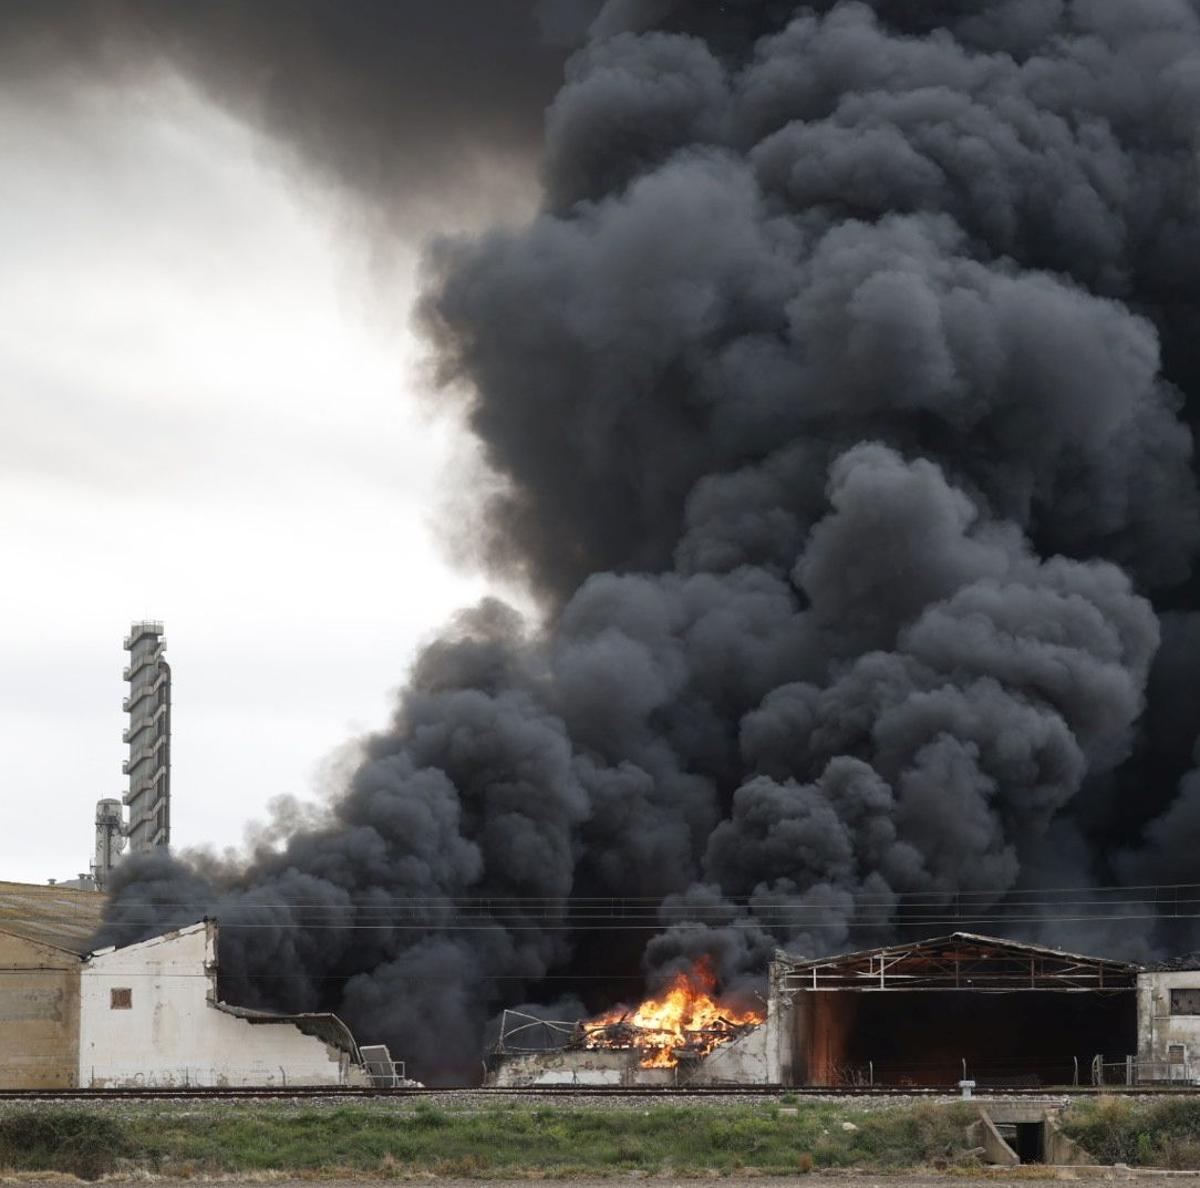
(685, 1019)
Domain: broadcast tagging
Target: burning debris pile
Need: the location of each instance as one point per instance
(683, 1023)
(676, 1029)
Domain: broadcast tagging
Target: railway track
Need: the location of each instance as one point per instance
(268, 1093)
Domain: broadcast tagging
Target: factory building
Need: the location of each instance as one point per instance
(928, 1013)
(44, 933)
(1168, 1006)
(149, 1015)
(959, 1007)
(144, 1014)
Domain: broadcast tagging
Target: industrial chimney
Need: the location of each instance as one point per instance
(110, 840)
(149, 737)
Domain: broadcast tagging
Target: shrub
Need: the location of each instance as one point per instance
(1162, 1133)
(84, 1144)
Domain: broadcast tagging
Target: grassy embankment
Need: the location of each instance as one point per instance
(506, 1139)
(496, 1141)
(1156, 1132)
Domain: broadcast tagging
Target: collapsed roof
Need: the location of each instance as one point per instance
(959, 961)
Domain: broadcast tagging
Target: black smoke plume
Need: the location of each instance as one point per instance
(422, 113)
(840, 398)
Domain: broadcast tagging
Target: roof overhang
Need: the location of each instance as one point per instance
(321, 1025)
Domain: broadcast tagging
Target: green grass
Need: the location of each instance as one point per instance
(506, 1140)
(83, 1143)
(1163, 1132)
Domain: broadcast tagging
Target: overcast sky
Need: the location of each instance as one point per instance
(207, 416)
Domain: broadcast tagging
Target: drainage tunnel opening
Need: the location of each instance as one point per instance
(1030, 1144)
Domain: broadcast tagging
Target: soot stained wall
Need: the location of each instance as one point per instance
(921, 1038)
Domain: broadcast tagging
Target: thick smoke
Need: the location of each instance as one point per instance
(841, 398)
(424, 113)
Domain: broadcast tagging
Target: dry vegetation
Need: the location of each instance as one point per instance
(1155, 1132)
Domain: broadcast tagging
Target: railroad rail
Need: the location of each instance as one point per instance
(277, 1092)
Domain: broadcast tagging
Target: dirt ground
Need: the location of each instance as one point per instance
(1032, 1176)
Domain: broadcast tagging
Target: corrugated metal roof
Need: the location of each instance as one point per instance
(64, 917)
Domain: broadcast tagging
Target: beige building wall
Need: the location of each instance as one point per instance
(39, 1015)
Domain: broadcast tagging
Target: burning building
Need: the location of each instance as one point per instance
(683, 1035)
(958, 1007)
(926, 1013)
(836, 409)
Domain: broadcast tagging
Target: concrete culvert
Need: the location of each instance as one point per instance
(1014, 1134)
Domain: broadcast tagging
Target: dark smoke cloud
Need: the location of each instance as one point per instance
(840, 405)
(430, 113)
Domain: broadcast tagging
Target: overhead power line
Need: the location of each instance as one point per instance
(264, 897)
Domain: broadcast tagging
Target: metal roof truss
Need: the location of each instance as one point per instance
(958, 963)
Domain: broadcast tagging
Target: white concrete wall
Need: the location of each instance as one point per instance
(580, 1067)
(1158, 1029)
(744, 1061)
(779, 1028)
(173, 1034)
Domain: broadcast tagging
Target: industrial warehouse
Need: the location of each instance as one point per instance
(934, 1013)
(960, 1008)
(147, 1014)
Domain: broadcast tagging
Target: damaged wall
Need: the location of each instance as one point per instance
(1168, 1006)
(39, 1014)
(576, 1067)
(149, 1016)
(742, 1061)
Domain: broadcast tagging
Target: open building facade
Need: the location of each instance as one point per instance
(961, 1007)
(928, 1013)
(996, 1012)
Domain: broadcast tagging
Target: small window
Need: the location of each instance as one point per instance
(121, 998)
(1176, 1054)
(1185, 1002)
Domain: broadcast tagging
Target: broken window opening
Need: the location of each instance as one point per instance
(1185, 1002)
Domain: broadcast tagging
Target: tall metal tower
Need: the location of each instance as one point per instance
(110, 840)
(149, 738)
